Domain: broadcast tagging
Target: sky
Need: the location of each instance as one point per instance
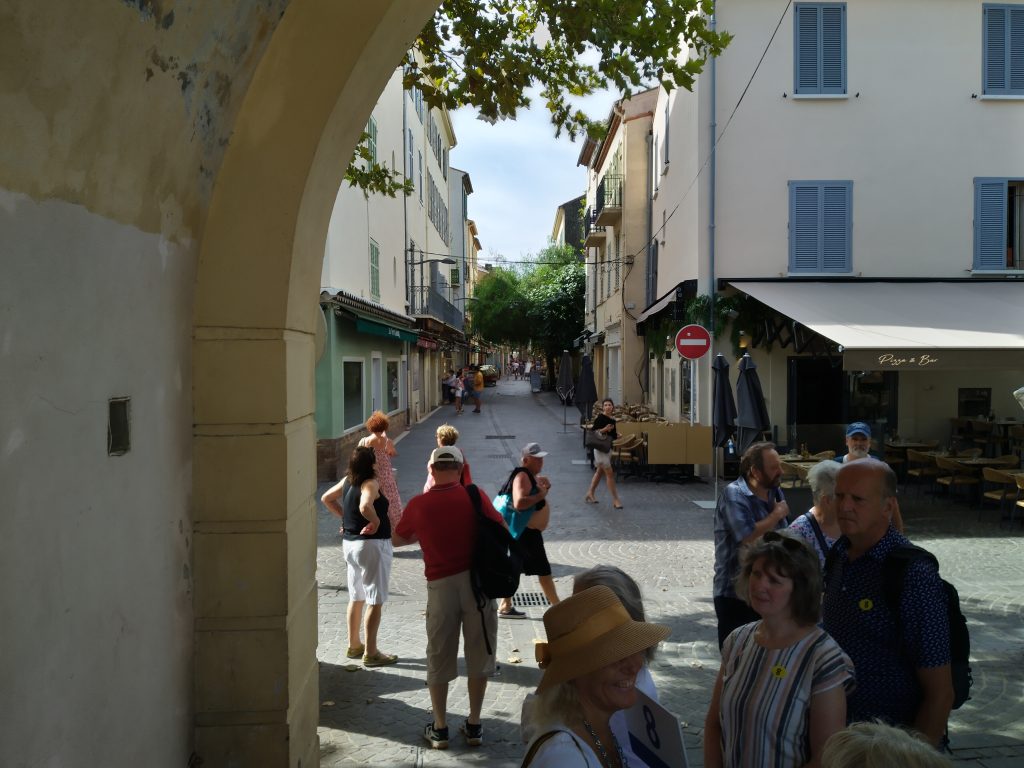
(520, 173)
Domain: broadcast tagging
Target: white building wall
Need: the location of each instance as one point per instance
(908, 134)
(358, 218)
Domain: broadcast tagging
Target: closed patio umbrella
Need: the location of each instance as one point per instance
(564, 386)
(586, 390)
(751, 412)
(723, 419)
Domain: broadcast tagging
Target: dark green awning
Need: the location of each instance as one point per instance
(379, 329)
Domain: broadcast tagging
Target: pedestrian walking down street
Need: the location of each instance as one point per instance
(368, 552)
(459, 390)
(478, 388)
(529, 496)
(384, 449)
(444, 522)
(603, 461)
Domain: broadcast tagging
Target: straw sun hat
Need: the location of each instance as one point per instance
(588, 631)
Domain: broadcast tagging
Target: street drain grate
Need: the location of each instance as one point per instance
(530, 600)
(499, 437)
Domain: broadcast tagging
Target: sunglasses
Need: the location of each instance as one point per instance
(787, 542)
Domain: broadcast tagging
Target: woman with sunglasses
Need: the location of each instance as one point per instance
(781, 690)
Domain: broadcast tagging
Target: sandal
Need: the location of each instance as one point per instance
(379, 659)
(590, 500)
(355, 653)
(617, 505)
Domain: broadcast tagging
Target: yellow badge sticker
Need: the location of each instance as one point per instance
(779, 671)
(866, 604)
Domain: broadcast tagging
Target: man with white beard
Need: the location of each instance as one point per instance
(858, 443)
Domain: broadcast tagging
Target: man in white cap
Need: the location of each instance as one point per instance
(529, 494)
(443, 520)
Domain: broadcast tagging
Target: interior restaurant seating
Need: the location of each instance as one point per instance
(921, 468)
(998, 486)
(953, 474)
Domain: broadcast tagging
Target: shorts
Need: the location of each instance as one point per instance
(535, 557)
(602, 459)
(451, 605)
(369, 569)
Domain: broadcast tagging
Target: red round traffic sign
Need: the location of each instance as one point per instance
(693, 341)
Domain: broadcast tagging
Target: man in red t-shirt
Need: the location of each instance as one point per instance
(443, 521)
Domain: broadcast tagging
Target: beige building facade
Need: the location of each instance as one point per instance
(881, 174)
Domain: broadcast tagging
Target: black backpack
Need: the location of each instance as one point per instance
(893, 572)
(497, 564)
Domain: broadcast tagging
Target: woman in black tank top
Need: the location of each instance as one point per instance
(366, 533)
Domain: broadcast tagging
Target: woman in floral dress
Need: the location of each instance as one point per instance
(384, 449)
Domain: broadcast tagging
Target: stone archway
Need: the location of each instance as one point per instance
(254, 464)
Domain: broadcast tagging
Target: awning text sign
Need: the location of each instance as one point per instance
(933, 360)
(693, 341)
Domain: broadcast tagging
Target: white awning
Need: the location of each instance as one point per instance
(906, 325)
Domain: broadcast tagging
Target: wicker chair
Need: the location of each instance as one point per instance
(999, 487)
(954, 474)
(921, 468)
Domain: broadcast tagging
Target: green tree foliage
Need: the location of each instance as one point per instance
(540, 306)
(488, 53)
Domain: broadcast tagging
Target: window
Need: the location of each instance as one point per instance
(618, 260)
(352, 392)
(664, 143)
(391, 394)
(1003, 50)
(411, 166)
(419, 157)
(998, 209)
(820, 226)
(819, 55)
(371, 142)
(374, 270)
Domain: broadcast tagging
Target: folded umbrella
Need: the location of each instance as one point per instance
(723, 419)
(751, 412)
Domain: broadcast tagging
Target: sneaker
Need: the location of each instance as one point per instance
(438, 737)
(511, 613)
(474, 733)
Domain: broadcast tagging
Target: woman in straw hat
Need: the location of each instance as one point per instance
(594, 653)
(628, 592)
(781, 689)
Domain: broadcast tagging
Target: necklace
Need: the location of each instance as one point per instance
(601, 750)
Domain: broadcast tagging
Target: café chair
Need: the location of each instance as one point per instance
(921, 468)
(954, 474)
(999, 487)
(1020, 498)
(824, 455)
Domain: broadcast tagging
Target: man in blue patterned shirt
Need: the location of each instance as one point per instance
(903, 668)
(747, 508)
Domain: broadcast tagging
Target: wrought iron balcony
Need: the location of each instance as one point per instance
(609, 199)
(593, 235)
(428, 301)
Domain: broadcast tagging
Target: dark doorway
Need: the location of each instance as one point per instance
(815, 402)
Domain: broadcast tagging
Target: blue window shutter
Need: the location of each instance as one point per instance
(1003, 50)
(805, 54)
(805, 227)
(995, 49)
(833, 49)
(1016, 64)
(821, 226)
(836, 225)
(990, 223)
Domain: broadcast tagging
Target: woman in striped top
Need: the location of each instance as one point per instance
(781, 690)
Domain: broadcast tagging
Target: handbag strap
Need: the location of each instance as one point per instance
(539, 742)
(817, 531)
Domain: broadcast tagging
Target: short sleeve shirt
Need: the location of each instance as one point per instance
(887, 655)
(802, 526)
(737, 512)
(766, 695)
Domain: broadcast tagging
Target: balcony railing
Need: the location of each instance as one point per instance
(609, 199)
(427, 301)
(593, 234)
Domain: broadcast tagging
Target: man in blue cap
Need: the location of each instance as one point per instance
(858, 443)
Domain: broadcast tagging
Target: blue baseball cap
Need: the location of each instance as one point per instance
(858, 428)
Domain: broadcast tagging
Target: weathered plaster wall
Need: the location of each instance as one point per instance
(95, 570)
(126, 107)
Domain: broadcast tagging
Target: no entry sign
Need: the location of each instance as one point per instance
(693, 341)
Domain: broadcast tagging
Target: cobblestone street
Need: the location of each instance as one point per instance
(663, 538)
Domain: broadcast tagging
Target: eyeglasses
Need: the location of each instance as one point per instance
(787, 542)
